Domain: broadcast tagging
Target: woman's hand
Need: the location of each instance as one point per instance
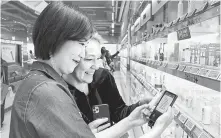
(160, 125)
(139, 116)
(163, 122)
(96, 126)
(153, 100)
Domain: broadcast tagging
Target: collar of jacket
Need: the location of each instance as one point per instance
(48, 71)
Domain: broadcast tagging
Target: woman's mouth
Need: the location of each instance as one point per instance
(89, 73)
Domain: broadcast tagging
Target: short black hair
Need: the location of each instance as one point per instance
(56, 24)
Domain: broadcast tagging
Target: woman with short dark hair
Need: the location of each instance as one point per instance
(43, 106)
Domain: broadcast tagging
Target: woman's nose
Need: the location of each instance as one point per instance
(95, 66)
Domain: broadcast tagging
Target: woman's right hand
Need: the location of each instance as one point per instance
(163, 122)
(96, 125)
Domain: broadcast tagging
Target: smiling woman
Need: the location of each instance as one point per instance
(43, 106)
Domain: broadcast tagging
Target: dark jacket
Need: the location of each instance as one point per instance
(44, 108)
(103, 90)
(109, 58)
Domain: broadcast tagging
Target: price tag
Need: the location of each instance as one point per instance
(213, 74)
(182, 118)
(154, 92)
(203, 72)
(195, 70)
(170, 24)
(183, 17)
(176, 21)
(187, 69)
(204, 135)
(197, 132)
(215, 2)
(161, 29)
(176, 112)
(203, 8)
(219, 78)
(181, 67)
(191, 13)
(164, 64)
(189, 125)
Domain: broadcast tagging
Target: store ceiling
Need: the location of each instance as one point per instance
(100, 12)
(18, 16)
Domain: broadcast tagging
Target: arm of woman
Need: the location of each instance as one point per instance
(52, 113)
(136, 118)
(109, 94)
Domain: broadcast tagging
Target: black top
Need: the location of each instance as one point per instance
(109, 58)
(102, 90)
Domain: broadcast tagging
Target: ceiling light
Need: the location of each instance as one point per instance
(112, 31)
(112, 16)
(112, 3)
(112, 25)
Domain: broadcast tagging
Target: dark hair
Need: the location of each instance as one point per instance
(103, 51)
(56, 24)
(30, 52)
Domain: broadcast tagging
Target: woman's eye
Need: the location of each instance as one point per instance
(88, 59)
(82, 44)
(76, 61)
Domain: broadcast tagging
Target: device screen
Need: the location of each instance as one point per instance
(165, 102)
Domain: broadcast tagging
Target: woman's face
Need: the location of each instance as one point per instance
(85, 70)
(67, 58)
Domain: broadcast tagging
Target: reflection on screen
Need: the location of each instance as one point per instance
(164, 103)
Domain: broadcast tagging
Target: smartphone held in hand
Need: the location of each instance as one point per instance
(166, 100)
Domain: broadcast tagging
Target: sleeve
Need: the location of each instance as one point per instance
(114, 55)
(110, 95)
(53, 114)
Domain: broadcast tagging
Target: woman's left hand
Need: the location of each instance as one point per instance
(138, 117)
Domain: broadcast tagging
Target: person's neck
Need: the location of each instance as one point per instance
(82, 87)
(50, 64)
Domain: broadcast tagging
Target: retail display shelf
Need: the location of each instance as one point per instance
(145, 84)
(193, 126)
(206, 12)
(205, 76)
(123, 64)
(123, 71)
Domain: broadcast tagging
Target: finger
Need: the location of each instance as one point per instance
(100, 128)
(139, 108)
(146, 112)
(167, 116)
(98, 122)
(156, 99)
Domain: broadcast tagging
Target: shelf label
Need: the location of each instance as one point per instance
(164, 64)
(195, 70)
(213, 74)
(187, 69)
(204, 135)
(176, 112)
(219, 78)
(197, 132)
(183, 17)
(203, 72)
(181, 67)
(182, 118)
(189, 125)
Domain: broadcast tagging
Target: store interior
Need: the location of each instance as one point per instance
(171, 44)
